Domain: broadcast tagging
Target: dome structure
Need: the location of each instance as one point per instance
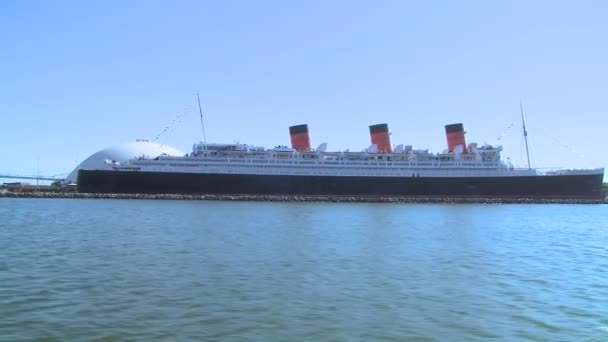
(120, 154)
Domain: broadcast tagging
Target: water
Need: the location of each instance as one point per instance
(196, 270)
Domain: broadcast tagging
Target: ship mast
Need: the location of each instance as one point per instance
(200, 111)
(523, 122)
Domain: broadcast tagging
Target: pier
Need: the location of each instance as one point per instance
(36, 178)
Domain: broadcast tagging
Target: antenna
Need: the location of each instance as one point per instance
(523, 122)
(201, 113)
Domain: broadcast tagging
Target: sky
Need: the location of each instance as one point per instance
(80, 76)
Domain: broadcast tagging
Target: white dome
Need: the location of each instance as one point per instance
(121, 154)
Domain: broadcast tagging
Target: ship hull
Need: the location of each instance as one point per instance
(545, 186)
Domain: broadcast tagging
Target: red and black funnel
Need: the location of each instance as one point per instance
(455, 135)
(381, 137)
(300, 140)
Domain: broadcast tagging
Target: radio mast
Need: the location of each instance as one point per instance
(200, 111)
(523, 122)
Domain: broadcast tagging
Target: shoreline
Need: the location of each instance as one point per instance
(73, 194)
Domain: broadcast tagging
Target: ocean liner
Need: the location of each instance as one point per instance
(460, 171)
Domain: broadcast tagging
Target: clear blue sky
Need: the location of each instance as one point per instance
(79, 76)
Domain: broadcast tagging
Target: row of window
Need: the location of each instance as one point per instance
(261, 161)
(334, 164)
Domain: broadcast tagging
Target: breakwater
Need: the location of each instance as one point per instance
(51, 192)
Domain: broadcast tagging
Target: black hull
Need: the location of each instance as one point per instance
(131, 182)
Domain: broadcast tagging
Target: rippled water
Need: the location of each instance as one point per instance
(180, 270)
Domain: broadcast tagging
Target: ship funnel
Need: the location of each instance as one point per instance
(381, 137)
(300, 140)
(455, 135)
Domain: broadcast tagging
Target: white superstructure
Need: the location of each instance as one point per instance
(483, 161)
